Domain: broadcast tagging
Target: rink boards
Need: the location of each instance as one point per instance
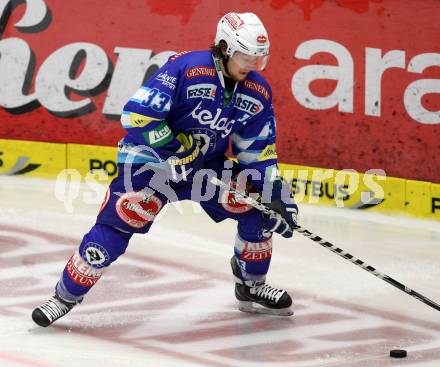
(373, 191)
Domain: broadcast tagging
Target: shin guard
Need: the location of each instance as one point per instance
(253, 258)
(99, 248)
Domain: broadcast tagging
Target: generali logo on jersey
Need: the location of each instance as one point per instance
(201, 71)
(257, 88)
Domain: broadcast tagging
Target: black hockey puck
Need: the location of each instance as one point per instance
(398, 353)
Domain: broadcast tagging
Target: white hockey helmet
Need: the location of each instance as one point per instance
(244, 33)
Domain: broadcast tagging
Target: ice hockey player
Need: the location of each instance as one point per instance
(179, 124)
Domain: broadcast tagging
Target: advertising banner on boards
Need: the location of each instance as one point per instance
(356, 85)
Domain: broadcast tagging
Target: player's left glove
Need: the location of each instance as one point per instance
(286, 221)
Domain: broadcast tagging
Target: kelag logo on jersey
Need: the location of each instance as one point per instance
(205, 91)
(248, 104)
(215, 122)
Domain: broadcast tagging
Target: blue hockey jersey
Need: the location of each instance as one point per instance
(187, 94)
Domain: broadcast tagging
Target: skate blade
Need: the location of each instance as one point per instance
(253, 307)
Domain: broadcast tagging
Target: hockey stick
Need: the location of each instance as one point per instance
(256, 204)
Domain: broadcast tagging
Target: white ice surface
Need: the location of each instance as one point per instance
(169, 300)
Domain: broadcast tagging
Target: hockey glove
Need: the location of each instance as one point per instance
(183, 164)
(285, 222)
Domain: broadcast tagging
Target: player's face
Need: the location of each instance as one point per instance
(236, 71)
(240, 64)
(250, 62)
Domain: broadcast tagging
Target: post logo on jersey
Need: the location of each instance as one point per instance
(205, 91)
(248, 104)
(175, 56)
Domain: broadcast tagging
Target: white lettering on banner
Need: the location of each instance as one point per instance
(342, 96)
(376, 65)
(55, 75)
(417, 89)
(204, 117)
(14, 62)
(35, 14)
(130, 70)
(83, 69)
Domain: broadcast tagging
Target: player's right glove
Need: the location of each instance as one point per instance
(182, 165)
(286, 221)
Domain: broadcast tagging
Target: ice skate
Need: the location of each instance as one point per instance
(259, 297)
(51, 311)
